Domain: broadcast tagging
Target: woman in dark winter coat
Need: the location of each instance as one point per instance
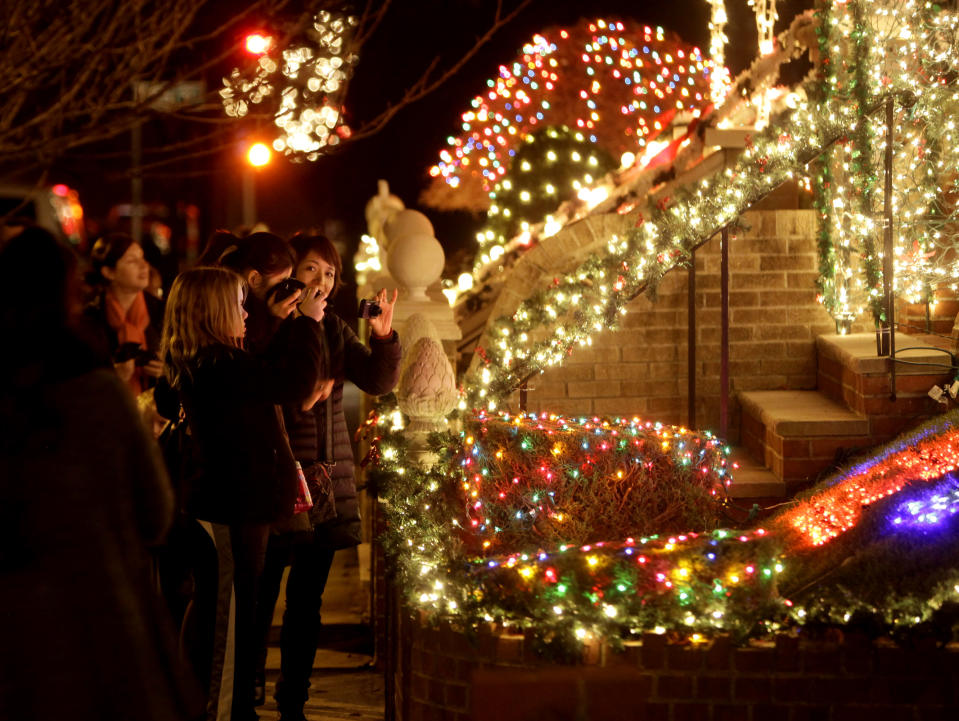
(247, 477)
(85, 635)
(321, 442)
(122, 318)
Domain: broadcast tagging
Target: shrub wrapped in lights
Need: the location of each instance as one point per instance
(536, 481)
(564, 525)
(846, 549)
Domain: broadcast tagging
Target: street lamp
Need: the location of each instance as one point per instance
(258, 155)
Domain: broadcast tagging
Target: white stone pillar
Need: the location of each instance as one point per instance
(415, 260)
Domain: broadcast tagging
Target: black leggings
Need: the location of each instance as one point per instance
(228, 562)
(310, 565)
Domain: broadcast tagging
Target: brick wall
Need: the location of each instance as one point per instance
(641, 369)
(452, 676)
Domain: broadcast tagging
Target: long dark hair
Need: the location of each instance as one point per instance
(263, 252)
(106, 252)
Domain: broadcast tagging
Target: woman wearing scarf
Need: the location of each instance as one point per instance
(126, 320)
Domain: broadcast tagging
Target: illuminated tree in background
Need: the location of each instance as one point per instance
(551, 166)
(306, 81)
(619, 83)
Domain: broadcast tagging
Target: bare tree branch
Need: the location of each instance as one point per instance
(78, 73)
(425, 85)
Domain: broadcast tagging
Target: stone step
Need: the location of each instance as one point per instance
(751, 480)
(803, 414)
(799, 434)
(850, 373)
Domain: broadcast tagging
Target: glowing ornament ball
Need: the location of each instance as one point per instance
(619, 82)
(550, 167)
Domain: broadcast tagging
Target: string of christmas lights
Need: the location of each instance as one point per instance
(868, 48)
(619, 83)
(454, 528)
(302, 84)
(552, 321)
(696, 583)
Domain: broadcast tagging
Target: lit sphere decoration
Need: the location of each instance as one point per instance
(620, 83)
(550, 167)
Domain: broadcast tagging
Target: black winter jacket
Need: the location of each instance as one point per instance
(375, 370)
(248, 473)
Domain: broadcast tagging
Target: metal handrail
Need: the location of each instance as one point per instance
(887, 102)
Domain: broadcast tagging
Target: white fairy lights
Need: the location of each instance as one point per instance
(307, 82)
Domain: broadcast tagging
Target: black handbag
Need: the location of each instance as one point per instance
(181, 455)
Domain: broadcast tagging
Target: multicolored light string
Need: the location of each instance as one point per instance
(619, 83)
(700, 582)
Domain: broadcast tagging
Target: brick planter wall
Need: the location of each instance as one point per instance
(451, 676)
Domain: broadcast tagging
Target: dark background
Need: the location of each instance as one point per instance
(330, 194)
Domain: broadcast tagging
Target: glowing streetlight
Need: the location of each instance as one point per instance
(258, 155)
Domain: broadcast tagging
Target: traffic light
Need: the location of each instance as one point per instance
(257, 43)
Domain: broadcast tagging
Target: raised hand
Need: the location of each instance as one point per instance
(382, 325)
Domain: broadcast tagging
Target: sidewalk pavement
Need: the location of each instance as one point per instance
(344, 684)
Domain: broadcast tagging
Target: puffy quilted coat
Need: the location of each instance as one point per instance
(375, 370)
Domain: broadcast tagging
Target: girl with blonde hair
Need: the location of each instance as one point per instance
(247, 478)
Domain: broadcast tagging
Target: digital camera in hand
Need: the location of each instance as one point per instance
(369, 309)
(285, 288)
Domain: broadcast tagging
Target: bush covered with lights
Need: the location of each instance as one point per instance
(876, 542)
(527, 482)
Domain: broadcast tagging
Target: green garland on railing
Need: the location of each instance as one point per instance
(865, 164)
(552, 321)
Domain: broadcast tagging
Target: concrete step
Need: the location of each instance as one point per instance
(799, 434)
(803, 413)
(850, 372)
(750, 480)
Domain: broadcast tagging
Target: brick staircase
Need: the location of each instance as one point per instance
(789, 438)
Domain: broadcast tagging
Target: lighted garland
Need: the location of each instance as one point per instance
(501, 475)
(869, 48)
(303, 86)
(686, 152)
(551, 322)
(719, 81)
(745, 582)
(598, 589)
(847, 227)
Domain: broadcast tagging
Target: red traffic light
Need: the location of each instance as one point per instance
(257, 43)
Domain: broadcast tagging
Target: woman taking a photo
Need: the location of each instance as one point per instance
(321, 442)
(247, 478)
(264, 261)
